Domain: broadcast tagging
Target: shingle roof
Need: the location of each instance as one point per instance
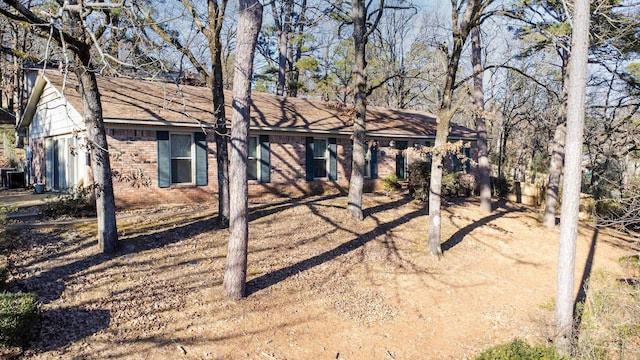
(125, 100)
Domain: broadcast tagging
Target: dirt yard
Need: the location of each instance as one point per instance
(321, 285)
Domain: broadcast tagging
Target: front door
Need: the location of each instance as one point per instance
(401, 160)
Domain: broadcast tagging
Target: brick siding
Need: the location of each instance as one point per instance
(134, 162)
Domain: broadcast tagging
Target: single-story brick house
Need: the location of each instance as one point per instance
(162, 146)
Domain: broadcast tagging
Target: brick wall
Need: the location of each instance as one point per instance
(134, 162)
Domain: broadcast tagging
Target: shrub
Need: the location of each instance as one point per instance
(610, 326)
(391, 183)
(500, 186)
(467, 185)
(18, 318)
(519, 350)
(453, 183)
(620, 213)
(450, 184)
(76, 204)
(4, 273)
(418, 180)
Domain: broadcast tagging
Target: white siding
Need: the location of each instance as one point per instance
(54, 116)
(58, 122)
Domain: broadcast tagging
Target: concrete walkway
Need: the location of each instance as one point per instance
(24, 198)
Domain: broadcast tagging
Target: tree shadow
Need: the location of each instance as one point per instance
(64, 326)
(582, 292)
(257, 212)
(386, 206)
(459, 235)
(267, 280)
(49, 284)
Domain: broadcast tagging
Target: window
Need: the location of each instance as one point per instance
(320, 158)
(181, 158)
(462, 160)
(428, 144)
(258, 166)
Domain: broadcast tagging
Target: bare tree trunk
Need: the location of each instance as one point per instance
(572, 177)
(283, 45)
(99, 149)
(356, 182)
(557, 151)
(555, 173)
(222, 156)
(484, 179)
(216, 17)
(294, 75)
(249, 22)
(442, 133)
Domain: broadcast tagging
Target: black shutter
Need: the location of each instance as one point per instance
(309, 158)
(164, 159)
(265, 160)
(200, 139)
(333, 159)
(374, 162)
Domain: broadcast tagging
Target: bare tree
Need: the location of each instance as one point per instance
(572, 177)
(211, 29)
(471, 12)
(484, 180)
(546, 22)
(249, 22)
(361, 34)
(70, 30)
(282, 18)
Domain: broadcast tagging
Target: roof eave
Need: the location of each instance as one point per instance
(153, 123)
(32, 103)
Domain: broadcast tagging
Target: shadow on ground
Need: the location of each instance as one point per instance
(275, 277)
(500, 208)
(60, 327)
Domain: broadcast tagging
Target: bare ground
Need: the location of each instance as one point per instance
(322, 286)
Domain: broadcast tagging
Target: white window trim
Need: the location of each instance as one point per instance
(193, 160)
(327, 158)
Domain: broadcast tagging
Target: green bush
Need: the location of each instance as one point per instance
(418, 180)
(500, 186)
(18, 318)
(609, 208)
(391, 183)
(519, 350)
(76, 204)
(450, 184)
